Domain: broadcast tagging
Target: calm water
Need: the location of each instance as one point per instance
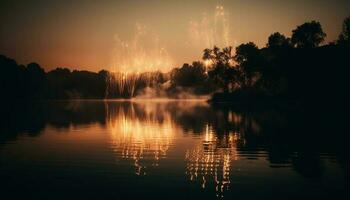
(168, 150)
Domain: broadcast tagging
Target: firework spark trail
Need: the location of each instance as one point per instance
(210, 30)
(143, 53)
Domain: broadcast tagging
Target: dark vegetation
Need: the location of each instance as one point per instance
(31, 82)
(295, 69)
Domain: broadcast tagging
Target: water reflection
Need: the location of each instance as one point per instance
(137, 134)
(210, 161)
(156, 140)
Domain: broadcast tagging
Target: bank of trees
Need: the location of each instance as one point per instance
(64, 83)
(19, 81)
(296, 68)
(32, 82)
(293, 68)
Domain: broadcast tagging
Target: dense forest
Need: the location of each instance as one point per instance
(289, 69)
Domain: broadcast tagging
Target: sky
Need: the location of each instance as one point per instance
(148, 34)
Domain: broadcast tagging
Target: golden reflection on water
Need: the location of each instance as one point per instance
(140, 137)
(144, 132)
(210, 161)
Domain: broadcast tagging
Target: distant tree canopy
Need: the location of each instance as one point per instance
(221, 71)
(32, 82)
(77, 84)
(36, 79)
(249, 61)
(308, 35)
(222, 75)
(18, 81)
(286, 68)
(344, 37)
(229, 76)
(293, 68)
(278, 40)
(189, 75)
(218, 56)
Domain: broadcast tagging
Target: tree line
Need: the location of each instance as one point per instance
(295, 68)
(286, 68)
(32, 82)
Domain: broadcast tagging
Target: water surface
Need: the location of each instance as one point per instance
(168, 150)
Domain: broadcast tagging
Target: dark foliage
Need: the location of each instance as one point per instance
(344, 37)
(65, 84)
(307, 74)
(308, 35)
(31, 82)
(295, 69)
(278, 40)
(20, 82)
(189, 75)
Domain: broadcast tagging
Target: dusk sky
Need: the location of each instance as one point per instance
(95, 35)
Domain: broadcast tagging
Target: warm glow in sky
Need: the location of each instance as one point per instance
(94, 35)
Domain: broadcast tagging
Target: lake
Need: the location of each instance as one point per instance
(167, 149)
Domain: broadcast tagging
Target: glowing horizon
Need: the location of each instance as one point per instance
(135, 36)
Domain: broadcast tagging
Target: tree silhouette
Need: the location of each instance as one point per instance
(278, 40)
(36, 80)
(189, 75)
(344, 37)
(216, 55)
(221, 72)
(208, 54)
(223, 75)
(248, 59)
(20, 82)
(308, 35)
(276, 71)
